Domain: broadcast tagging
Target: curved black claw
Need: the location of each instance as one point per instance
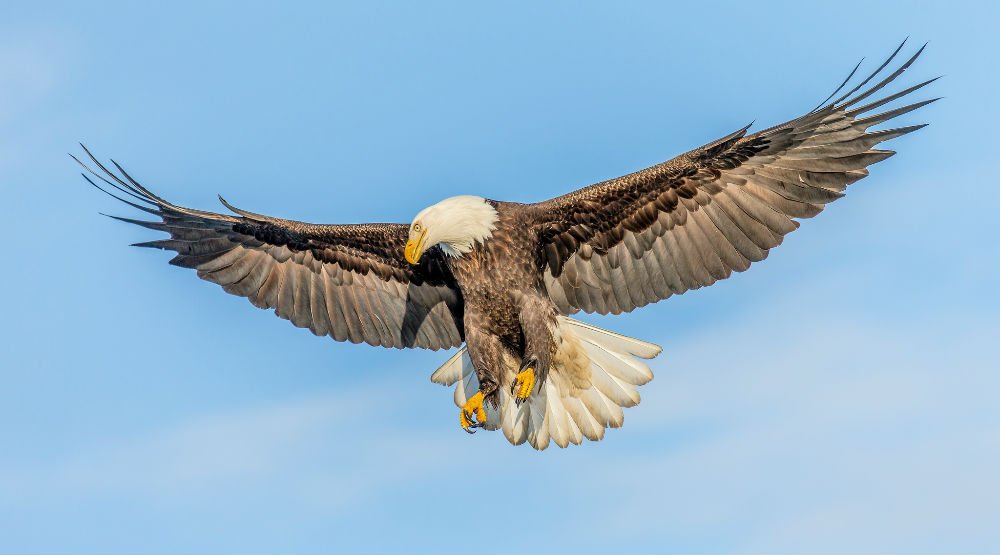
(524, 382)
(471, 429)
(474, 423)
(472, 415)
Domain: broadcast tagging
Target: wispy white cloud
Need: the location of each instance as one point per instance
(843, 434)
(32, 63)
(232, 449)
(35, 64)
(846, 435)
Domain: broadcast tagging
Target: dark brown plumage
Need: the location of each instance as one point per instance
(695, 219)
(607, 248)
(346, 281)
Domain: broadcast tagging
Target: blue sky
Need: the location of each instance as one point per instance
(838, 397)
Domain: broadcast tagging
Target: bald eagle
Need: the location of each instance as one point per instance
(502, 278)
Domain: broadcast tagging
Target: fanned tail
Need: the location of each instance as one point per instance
(595, 374)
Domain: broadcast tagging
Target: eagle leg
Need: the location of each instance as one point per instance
(472, 415)
(537, 314)
(524, 382)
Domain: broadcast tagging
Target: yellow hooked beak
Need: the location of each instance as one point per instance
(415, 248)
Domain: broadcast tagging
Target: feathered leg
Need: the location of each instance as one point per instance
(538, 319)
(486, 352)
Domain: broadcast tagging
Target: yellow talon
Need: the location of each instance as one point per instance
(472, 407)
(524, 382)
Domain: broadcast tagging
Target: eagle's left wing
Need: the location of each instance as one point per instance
(693, 220)
(350, 282)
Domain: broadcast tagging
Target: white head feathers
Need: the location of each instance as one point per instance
(457, 224)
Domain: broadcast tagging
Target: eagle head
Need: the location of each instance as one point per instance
(457, 224)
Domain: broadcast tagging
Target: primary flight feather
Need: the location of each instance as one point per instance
(503, 277)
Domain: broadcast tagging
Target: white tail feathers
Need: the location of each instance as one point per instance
(594, 374)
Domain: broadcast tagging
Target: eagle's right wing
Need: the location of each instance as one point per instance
(693, 220)
(350, 282)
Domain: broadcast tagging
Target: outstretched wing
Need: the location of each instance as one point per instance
(693, 220)
(346, 281)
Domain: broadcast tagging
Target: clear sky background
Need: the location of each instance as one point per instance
(839, 397)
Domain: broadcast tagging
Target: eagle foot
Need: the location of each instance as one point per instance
(472, 415)
(522, 385)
